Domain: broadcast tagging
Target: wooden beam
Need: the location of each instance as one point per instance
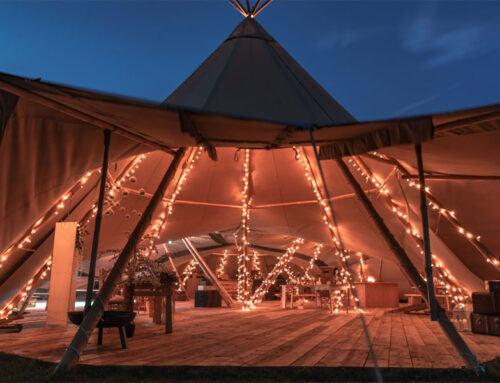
(98, 219)
(410, 270)
(255, 7)
(183, 288)
(90, 320)
(262, 7)
(208, 272)
(479, 246)
(426, 235)
(447, 177)
(238, 7)
(493, 116)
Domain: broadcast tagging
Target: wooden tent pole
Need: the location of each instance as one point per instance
(425, 234)
(447, 177)
(98, 219)
(480, 247)
(90, 320)
(171, 260)
(209, 273)
(410, 270)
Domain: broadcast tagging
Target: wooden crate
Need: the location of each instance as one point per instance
(494, 325)
(479, 323)
(483, 303)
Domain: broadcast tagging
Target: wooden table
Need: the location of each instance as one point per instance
(157, 293)
(377, 294)
(443, 300)
(414, 299)
(287, 293)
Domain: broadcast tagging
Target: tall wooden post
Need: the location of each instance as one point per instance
(171, 260)
(425, 234)
(90, 320)
(168, 308)
(410, 270)
(209, 273)
(97, 226)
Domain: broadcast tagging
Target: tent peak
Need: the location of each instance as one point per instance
(250, 28)
(246, 9)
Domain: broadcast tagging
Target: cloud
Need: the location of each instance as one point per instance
(445, 42)
(424, 101)
(341, 39)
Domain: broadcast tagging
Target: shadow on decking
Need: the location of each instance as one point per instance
(15, 368)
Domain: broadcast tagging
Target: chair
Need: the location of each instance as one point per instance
(325, 299)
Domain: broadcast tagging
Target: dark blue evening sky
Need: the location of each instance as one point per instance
(378, 59)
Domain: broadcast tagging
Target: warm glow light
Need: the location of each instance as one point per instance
(441, 274)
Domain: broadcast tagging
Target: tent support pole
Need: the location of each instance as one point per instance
(90, 320)
(411, 271)
(98, 219)
(425, 235)
(174, 268)
(209, 273)
(480, 247)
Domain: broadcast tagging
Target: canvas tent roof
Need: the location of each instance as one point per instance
(252, 76)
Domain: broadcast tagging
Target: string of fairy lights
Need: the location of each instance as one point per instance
(159, 225)
(278, 268)
(222, 264)
(25, 292)
(345, 275)
(458, 294)
(112, 196)
(26, 239)
(308, 278)
(126, 174)
(361, 267)
(256, 264)
(244, 280)
(449, 214)
(186, 274)
(446, 280)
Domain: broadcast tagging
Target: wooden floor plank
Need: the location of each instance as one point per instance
(267, 336)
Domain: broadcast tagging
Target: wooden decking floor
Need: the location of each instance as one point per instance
(268, 336)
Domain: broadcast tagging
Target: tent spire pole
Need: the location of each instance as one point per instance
(98, 219)
(90, 320)
(262, 7)
(425, 234)
(411, 271)
(256, 5)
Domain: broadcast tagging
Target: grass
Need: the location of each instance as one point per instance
(14, 368)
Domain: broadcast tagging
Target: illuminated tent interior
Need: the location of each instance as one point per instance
(249, 104)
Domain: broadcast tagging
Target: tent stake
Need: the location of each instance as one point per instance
(98, 219)
(425, 234)
(90, 320)
(411, 271)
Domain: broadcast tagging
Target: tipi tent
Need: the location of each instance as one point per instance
(246, 116)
